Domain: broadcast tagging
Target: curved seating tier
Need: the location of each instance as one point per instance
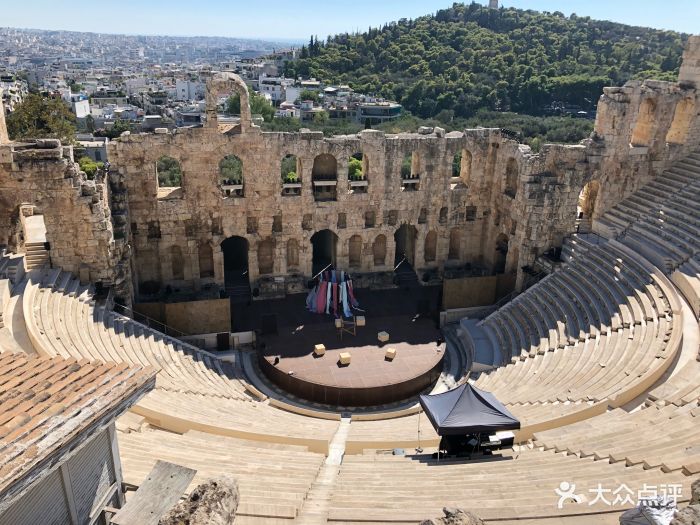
(181, 412)
(622, 329)
(638, 438)
(63, 320)
(383, 488)
(273, 480)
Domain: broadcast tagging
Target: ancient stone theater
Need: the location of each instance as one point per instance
(294, 294)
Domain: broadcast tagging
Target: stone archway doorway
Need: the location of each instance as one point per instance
(325, 246)
(405, 242)
(236, 277)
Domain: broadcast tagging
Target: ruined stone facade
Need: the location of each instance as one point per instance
(505, 207)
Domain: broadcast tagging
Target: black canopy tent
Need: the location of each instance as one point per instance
(467, 410)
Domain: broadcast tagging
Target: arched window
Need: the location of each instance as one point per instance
(206, 260)
(682, 118)
(290, 171)
(169, 172)
(462, 166)
(231, 176)
(266, 258)
(357, 173)
(177, 263)
(379, 250)
(325, 176)
(355, 251)
(511, 186)
(454, 252)
(645, 123)
(410, 172)
(430, 247)
(443, 215)
(292, 254)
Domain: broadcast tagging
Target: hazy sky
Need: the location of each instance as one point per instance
(297, 20)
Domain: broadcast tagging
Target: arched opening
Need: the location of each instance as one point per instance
(325, 177)
(682, 118)
(292, 254)
(177, 263)
(430, 247)
(379, 250)
(290, 171)
(324, 244)
(499, 261)
(410, 172)
(511, 182)
(227, 83)
(235, 252)
(206, 260)
(266, 256)
(455, 249)
(231, 176)
(443, 215)
(405, 240)
(355, 251)
(357, 173)
(168, 172)
(586, 206)
(462, 166)
(641, 136)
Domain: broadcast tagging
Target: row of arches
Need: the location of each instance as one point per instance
(325, 171)
(647, 119)
(324, 243)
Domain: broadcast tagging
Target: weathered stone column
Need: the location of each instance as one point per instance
(4, 138)
(690, 67)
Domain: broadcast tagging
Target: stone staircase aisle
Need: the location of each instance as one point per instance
(37, 255)
(315, 509)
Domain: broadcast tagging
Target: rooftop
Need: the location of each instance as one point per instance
(48, 405)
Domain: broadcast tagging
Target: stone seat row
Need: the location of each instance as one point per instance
(654, 437)
(273, 483)
(64, 320)
(567, 310)
(607, 367)
(673, 188)
(194, 390)
(603, 362)
(257, 421)
(362, 488)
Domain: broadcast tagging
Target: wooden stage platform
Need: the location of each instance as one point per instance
(370, 379)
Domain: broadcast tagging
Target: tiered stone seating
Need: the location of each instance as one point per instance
(64, 321)
(623, 328)
(194, 389)
(662, 219)
(273, 479)
(383, 488)
(655, 437)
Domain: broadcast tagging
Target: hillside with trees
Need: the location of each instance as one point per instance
(469, 58)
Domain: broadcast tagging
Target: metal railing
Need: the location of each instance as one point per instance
(148, 321)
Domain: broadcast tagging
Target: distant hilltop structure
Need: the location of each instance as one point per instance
(493, 4)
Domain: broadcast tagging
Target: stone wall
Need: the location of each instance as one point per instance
(505, 198)
(464, 214)
(41, 174)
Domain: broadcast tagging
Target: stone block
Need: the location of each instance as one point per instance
(320, 350)
(390, 354)
(344, 358)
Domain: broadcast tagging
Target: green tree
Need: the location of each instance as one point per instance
(321, 117)
(42, 117)
(169, 172)
(355, 169)
(259, 105)
(231, 169)
(308, 94)
(89, 166)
